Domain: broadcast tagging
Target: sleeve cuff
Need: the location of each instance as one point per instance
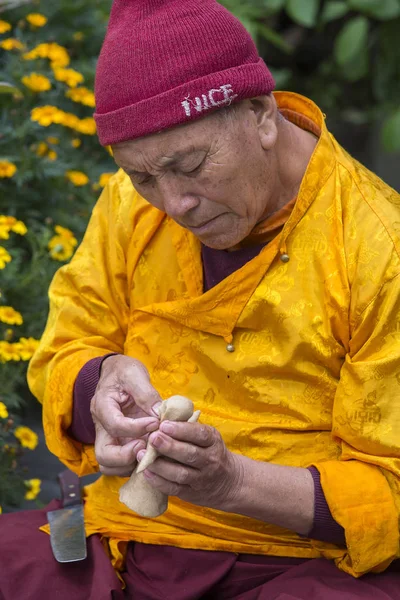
(325, 528)
(82, 427)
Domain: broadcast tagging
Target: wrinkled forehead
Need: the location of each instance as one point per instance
(171, 144)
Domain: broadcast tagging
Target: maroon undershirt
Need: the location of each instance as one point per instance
(217, 265)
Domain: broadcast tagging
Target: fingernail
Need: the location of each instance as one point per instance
(152, 426)
(167, 427)
(157, 442)
(140, 455)
(156, 408)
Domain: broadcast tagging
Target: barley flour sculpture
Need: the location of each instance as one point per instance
(137, 494)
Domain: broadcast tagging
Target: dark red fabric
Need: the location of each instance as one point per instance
(28, 571)
(325, 527)
(82, 427)
(163, 64)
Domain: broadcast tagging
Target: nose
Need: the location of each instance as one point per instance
(175, 197)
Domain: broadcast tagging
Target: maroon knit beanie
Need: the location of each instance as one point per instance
(168, 62)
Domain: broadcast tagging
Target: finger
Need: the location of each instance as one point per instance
(167, 487)
(117, 471)
(110, 454)
(187, 454)
(136, 382)
(111, 418)
(193, 433)
(174, 472)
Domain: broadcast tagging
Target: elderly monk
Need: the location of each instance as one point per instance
(242, 258)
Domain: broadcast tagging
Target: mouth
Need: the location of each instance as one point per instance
(203, 226)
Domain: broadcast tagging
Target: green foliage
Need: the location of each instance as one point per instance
(39, 193)
(343, 54)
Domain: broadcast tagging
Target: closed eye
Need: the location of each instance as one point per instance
(196, 169)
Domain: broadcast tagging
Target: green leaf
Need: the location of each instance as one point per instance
(351, 40)
(8, 88)
(282, 77)
(357, 67)
(303, 12)
(379, 9)
(273, 6)
(391, 132)
(333, 10)
(274, 38)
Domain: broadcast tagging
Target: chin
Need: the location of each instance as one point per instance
(223, 242)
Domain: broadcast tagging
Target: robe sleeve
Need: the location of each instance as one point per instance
(87, 319)
(362, 488)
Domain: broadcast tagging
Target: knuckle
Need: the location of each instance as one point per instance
(204, 433)
(192, 455)
(182, 476)
(174, 489)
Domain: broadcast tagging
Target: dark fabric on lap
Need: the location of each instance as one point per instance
(28, 571)
(166, 573)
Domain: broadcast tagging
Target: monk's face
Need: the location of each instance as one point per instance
(215, 177)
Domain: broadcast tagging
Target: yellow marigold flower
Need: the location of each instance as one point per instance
(105, 178)
(19, 228)
(60, 249)
(66, 234)
(42, 149)
(82, 95)
(36, 82)
(68, 76)
(3, 411)
(7, 169)
(87, 126)
(9, 334)
(33, 486)
(76, 142)
(62, 246)
(11, 44)
(4, 26)
(58, 55)
(4, 257)
(27, 437)
(77, 177)
(36, 19)
(27, 347)
(53, 140)
(1, 510)
(78, 36)
(70, 120)
(45, 115)
(9, 351)
(10, 316)
(109, 150)
(52, 155)
(6, 224)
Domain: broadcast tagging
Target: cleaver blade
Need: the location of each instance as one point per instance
(67, 526)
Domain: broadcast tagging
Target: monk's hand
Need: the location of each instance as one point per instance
(124, 410)
(194, 464)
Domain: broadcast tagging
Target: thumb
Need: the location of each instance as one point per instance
(137, 385)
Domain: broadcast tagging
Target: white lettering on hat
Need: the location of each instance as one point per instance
(221, 96)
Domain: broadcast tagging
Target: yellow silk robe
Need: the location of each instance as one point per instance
(315, 376)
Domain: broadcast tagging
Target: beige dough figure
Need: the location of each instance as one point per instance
(136, 493)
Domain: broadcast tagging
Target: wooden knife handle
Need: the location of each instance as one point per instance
(70, 488)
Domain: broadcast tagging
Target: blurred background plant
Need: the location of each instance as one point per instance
(342, 54)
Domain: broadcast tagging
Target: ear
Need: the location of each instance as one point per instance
(265, 112)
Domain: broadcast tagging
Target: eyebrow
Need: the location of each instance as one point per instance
(169, 161)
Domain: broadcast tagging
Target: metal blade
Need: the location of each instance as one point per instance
(67, 534)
